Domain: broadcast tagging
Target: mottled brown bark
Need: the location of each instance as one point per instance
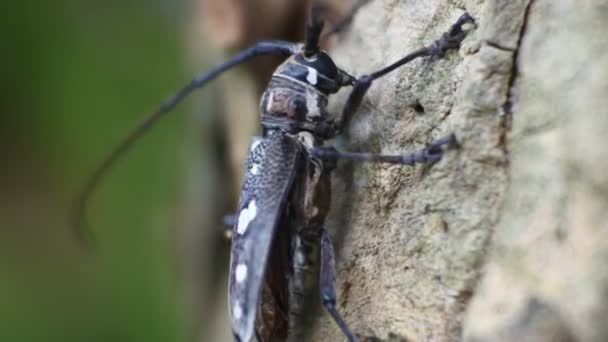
(414, 239)
(504, 239)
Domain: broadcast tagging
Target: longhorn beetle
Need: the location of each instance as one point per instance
(280, 248)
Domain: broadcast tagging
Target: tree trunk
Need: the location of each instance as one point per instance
(506, 237)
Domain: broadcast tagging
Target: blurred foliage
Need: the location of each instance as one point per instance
(76, 76)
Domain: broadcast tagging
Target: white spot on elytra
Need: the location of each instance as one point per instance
(237, 311)
(255, 169)
(312, 76)
(246, 216)
(240, 273)
(255, 144)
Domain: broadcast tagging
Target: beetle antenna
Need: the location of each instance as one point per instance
(314, 26)
(79, 216)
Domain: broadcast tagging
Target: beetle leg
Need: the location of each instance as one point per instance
(449, 40)
(228, 222)
(429, 154)
(327, 285)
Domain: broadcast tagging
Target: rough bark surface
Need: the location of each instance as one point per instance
(547, 278)
(505, 238)
(414, 239)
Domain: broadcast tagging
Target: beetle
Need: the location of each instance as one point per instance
(281, 253)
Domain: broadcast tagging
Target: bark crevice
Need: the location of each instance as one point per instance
(508, 105)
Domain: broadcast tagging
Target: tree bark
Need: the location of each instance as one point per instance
(551, 244)
(506, 237)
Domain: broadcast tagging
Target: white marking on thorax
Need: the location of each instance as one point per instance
(312, 76)
(301, 82)
(237, 311)
(240, 274)
(246, 216)
(312, 93)
(313, 104)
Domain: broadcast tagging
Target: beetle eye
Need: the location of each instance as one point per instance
(298, 107)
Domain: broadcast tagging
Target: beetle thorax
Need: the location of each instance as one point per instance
(297, 94)
(293, 94)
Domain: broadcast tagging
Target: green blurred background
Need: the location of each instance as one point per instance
(76, 76)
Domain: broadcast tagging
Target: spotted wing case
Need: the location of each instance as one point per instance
(271, 167)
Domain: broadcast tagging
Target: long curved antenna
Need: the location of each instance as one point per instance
(260, 48)
(314, 26)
